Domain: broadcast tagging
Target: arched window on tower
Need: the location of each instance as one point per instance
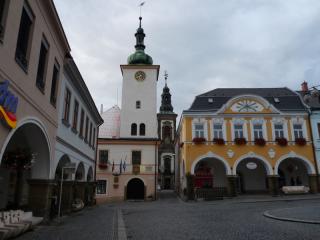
(167, 133)
(142, 129)
(133, 129)
(138, 104)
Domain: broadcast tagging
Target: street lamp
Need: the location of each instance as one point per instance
(71, 168)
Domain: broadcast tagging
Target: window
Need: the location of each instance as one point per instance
(40, 82)
(75, 115)
(276, 100)
(94, 138)
(54, 84)
(257, 131)
(24, 36)
(67, 97)
(133, 129)
(199, 130)
(3, 10)
(138, 104)
(103, 156)
(278, 129)
(210, 100)
(297, 131)
(90, 134)
(142, 129)
(136, 157)
(238, 131)
(101, 186)
(86, 131)
(217, 131)
(166, 132)
(81, 123)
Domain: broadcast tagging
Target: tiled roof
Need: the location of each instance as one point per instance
(288, 100)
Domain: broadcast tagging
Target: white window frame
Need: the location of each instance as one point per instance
(302, 121)
(258, 121)
(282, 121)
(223, 123)
(103, 179)
(205, 127)
(239, 121)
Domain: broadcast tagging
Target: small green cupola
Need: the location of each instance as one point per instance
(140, 57)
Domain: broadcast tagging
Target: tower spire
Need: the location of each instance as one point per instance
(166, 106)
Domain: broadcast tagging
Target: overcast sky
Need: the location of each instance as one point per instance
(203, 44)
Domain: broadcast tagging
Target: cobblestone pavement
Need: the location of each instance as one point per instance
(92, 223)
(173, 219)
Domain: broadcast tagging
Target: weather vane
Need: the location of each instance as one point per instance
(140, 5)
(165, 76)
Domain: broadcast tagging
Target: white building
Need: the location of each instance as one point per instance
(127, 164)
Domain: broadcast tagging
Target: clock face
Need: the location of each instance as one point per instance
(140, 76)
(247, 106)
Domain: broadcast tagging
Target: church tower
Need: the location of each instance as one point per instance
(166, 131)
(139, 93)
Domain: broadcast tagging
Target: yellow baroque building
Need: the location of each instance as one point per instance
(250, 140)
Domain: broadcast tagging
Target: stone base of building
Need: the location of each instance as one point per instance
(314, 183)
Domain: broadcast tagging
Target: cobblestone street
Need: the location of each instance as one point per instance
(170, 218)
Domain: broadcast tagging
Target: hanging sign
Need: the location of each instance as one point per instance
(8, 105)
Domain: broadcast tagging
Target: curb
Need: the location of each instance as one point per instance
(279, 200)
(268, 215)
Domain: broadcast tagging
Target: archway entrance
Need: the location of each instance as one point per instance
(252, 176)
(26, 157)
(135, 189)
(293, 172)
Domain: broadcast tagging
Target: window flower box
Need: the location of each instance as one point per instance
(282, 141)
(198, 140)
(103, 165)
(300, 141)
(219, 141)
(259, 141)
(240, 141)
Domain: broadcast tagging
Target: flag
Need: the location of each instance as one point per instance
(141, 4)
(112, 166)
(120, 167)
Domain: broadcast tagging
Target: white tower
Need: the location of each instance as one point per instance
(139, 93)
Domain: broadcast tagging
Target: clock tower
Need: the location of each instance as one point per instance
(139, 93)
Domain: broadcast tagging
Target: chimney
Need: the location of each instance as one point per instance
(101, 109)
(304, 87)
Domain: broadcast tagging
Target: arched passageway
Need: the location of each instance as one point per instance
(26, 157)
(135, 189)
(293, 172)
(252, 176)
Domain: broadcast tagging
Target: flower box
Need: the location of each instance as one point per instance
(300, 141)
(282, 141)
(198, 140)
(259, 141)
(240, 141)
(103, 165)
(219, 141)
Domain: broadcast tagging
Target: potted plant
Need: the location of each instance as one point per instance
(240, 141)
(103, 165)
(282, 141)
(300, 141)
(198, 140)
(219, 141)
(260, 141)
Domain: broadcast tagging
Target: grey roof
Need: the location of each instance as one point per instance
(312, 100)
(288, 99)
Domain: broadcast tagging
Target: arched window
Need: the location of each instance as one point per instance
(138, 104)
(133, 129)
(142, 129)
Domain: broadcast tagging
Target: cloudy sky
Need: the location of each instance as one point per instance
(203, 44)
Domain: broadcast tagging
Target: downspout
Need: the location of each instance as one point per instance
(155, 171)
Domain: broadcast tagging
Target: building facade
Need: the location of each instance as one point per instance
(237, 141)
(78, 122)
(166, 132)
(127, 166)
(32, 51)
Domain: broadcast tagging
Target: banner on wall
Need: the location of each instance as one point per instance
(8, 105)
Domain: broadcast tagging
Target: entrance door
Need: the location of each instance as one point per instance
(135, 189)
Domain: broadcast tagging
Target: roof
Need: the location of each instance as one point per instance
(311, 98)
(288, 99)
(111, 126)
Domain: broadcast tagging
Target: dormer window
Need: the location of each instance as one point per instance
(210, 100)
(276, 100)
(138, 104)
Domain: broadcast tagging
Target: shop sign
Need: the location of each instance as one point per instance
(8, 105)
